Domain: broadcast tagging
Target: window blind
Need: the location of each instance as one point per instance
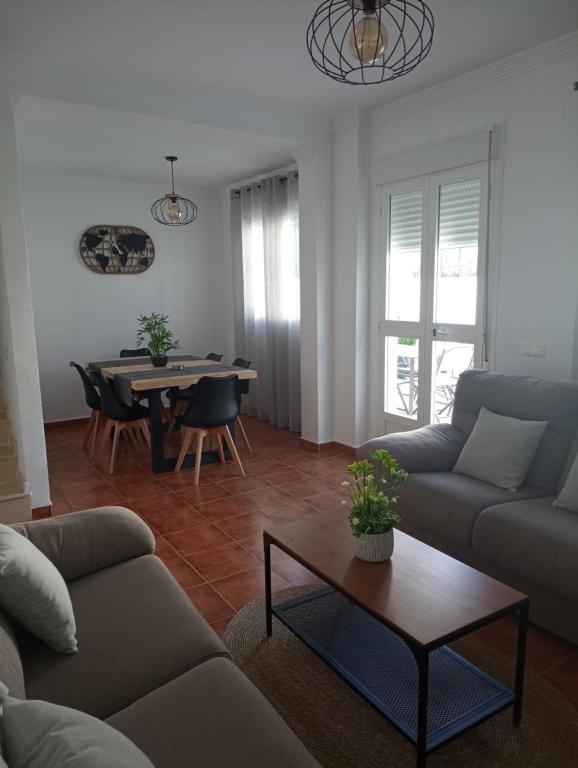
(459, 214)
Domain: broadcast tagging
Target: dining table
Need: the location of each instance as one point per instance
(136, 377)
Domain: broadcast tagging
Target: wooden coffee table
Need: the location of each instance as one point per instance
(384, 628)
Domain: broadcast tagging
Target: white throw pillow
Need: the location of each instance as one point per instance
(36, 734)
(33, 592)
(500, 449)
(568, 498)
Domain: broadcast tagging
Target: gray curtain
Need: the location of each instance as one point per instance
(265, 244)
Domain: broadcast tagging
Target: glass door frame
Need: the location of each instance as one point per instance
(426, 330)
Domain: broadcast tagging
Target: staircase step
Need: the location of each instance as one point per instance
(15, 507)
(5, 433)
(11, 487)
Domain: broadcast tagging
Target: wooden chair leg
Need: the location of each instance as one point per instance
(233, 448)
(199, 455)
(188, 436)
(89, 429)
(105, 435)
(219, 439)
(94, 434)
(144, 428)
(244, 434)
(118, 427)
(132, 438)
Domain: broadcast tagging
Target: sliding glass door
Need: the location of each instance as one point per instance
(433, 280)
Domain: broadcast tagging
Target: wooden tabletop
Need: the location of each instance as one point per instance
(424, 595)
(163, 381)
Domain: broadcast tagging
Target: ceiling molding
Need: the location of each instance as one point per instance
(512, 66)
(303, 153)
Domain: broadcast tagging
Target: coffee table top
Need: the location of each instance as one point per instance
(424, 595)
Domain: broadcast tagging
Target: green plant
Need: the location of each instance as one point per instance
(373, 493)
(406, 341)
(154, 333)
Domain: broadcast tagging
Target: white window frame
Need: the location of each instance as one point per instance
(423, 329)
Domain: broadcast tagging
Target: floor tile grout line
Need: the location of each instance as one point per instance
(563, 660)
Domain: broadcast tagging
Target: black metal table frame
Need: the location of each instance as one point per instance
(420, 652)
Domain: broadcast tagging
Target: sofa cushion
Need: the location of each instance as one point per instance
(524, 397)
(447, 503)
(11, 673)
(33, 592)
(211, 717)
(500, 449)
(137, 629)
(568, 496)
(36, 734)
(534, 540)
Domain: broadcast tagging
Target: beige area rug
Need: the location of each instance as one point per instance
(343, 731)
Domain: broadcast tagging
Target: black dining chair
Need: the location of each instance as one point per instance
(214, 405)
(132, 420)
(92, 399)
(242, 389)
(143, 352)
(180, 398)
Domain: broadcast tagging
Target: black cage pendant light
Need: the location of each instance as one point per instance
(369, 41)
(172, 209)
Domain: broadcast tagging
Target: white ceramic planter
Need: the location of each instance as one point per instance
(374, 547)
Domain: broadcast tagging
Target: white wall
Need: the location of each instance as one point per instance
(81, 315)
(18, 359)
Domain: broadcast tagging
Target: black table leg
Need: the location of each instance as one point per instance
(520, 663)
(422, 659)
(158, 462)
(268, 611)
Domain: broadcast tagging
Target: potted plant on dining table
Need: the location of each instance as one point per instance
(155, 334)
(373, 498)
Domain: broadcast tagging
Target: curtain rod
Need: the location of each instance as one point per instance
(265, 175)
(236, 191)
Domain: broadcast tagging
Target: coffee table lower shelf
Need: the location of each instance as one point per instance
(381, 666)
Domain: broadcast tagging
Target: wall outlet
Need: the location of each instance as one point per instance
(534, 349)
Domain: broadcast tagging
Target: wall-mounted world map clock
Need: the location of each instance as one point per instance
(116, 250)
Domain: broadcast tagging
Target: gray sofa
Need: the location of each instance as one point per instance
(519, 538)
(148, 663)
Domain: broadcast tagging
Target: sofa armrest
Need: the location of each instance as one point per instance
(434, 448)
(81, 543)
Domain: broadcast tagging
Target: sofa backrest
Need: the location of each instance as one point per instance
(524, 397)
(11, 673)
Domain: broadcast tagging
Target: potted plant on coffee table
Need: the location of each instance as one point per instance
(373, 498)
(154, 333)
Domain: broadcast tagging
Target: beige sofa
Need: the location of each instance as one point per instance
(519, 538)
(148, 663)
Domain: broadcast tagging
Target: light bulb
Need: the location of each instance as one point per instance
(368, 39)
(173, 211)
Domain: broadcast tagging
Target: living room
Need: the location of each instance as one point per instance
(355, 223)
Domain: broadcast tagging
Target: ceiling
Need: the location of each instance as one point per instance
(239, 67)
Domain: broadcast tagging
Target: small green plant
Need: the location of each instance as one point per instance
(406, 341)
(373, 497)
(154, 333)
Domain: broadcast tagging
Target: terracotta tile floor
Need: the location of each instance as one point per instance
(209, 536)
